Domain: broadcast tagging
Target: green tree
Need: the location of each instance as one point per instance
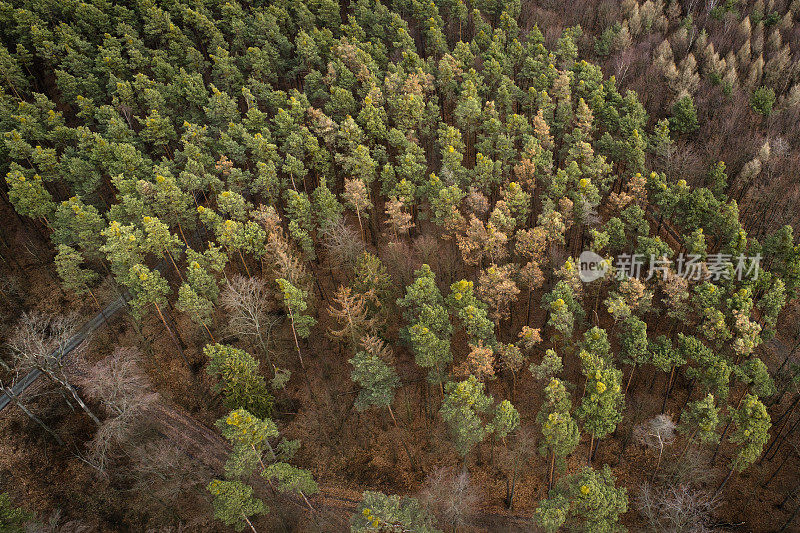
(374, 373)
(700, 419)
(633, 344)
(234, 503)
(560, 435)
(751, 433)
(464, 404)
(550, 366)
(68, 263)
(295, 300)
(586, 501)
(603, 402)
(240, 383)
(684, 116)
(762, 100)
(379, 512)
(29, 195)
(12, 519)
(428, 326)
(160, 241)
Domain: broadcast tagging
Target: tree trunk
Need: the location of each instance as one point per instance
(668, 390)
(722, 485)
(250, 524)
(630, 378)
(16, 401)
(402, 439)
(171, 334)
(296, 343)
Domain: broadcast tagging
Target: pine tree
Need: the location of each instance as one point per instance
(379, 512)
(374, 373)
(585, 501)
(241, 384)
(633, 342)
(295, 300)
(559, 430)
(700, 419)
(684, 116)
(29, 196)
(234, 503)
(74, 278)
(550, 366)
(428, 325)
(463, 405)
(751, 433)
(602, 405)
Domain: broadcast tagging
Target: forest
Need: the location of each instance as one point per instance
(399, 266)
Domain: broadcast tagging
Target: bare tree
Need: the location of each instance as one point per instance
(7, 387)
(122, 388)
(656, 433)
(39, 341)
(163, 474)
(448, 494)
(54, 524)
(248, 302)
(675, 508)
(343, 245)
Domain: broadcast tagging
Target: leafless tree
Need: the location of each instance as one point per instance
(448, 494)
(343, 244)
(675, 508)
(122, 388)
(39, 341)
(54, 524)
(248, 302)
(164, 474)
(7, 385)
(654, 434)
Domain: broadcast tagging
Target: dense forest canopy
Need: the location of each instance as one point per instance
(403, 265)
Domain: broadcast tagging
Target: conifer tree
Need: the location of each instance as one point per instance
(700, 419)
(428, 326)
(603, 402)
(379, 512)
(74, 277)
(559, 430)
(295, 300)
(463, 405)
(240, 382)
(234, 503)
(586, 501)
(374, 373)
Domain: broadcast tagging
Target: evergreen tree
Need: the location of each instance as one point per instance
(374, 373)
(234, 503)
(295, 300)
(379, 512)
(585, 501)
(684, 116)
(75, 278)
(559, 431)
(241, 384)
